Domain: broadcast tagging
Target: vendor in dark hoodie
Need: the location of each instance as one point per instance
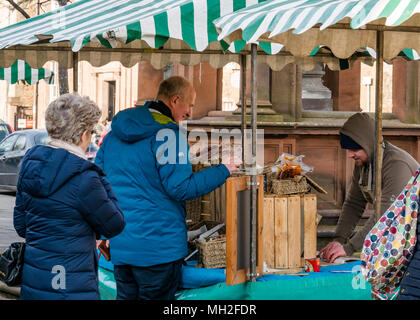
(358, 136)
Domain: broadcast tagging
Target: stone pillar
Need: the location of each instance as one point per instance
(265, 111)
(205, 82)
(286, 92)
(149, 79)
(202, 76)
(315, 96)
(345, 88)
(406, 90)
(399, 89)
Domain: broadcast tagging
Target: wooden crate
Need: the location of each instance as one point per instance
(290, 226)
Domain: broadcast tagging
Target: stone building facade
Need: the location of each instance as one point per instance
(113, 87)
(300, 112)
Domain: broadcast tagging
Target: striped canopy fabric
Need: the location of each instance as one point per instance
(112, 21)
(342, 25)
(21, 70)
(110, 31)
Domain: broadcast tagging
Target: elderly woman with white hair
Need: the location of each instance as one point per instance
(63, 204)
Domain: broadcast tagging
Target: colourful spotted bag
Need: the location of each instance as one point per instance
(390, 244)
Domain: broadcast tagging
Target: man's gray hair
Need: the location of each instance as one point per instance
(172, 86)
(69, 116)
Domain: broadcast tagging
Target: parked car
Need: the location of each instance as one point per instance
(5, 130)
(12, 150)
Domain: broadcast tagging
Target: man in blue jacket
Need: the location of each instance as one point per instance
(145, 157)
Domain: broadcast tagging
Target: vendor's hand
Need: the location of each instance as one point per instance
(332, 251)
(233, 164)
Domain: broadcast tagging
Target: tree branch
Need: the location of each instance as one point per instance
(18, 8)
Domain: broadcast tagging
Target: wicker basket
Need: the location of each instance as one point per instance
(208, 224)
(290, 186)
(193, 209)
(213, 252)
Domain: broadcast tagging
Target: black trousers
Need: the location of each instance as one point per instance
(159, 282)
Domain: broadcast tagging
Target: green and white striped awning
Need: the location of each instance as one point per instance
(133, 30)
(21, 70)
(112, 21)
(343, 26)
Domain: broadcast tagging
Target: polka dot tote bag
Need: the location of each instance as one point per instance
(390, 244)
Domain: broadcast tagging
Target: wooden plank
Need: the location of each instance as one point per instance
(212, 205)
(294, 231)
(260, 225)
(280, 233)
(286, 271)
(223, 202)
(268, 236)
(205, 207)
(233, 185)
(231, 231)
(310, 225)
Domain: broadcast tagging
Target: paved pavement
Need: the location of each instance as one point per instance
(7, 232)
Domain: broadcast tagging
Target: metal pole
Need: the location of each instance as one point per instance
(75, 71)
(253, 255)
(35, 114)
(243, 106)
(378, 120)
(298, 98)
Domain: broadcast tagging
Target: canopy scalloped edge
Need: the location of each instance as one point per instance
(37, 56)
(21, 70)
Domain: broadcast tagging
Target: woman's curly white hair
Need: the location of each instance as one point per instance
(69, 116)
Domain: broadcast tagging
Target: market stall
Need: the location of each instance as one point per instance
(176, 31)
(149, 32)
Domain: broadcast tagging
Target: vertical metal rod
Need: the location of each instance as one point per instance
(36, 104)
(253, 255)
(378, 121)
(243, 106)
(298, 102)
(75, 71)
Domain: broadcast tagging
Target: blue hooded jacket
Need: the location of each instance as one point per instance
(63, 204)
(145, 157)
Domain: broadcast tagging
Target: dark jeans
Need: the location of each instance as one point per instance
(159, 282)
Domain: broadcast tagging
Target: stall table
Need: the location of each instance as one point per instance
(333, 282)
